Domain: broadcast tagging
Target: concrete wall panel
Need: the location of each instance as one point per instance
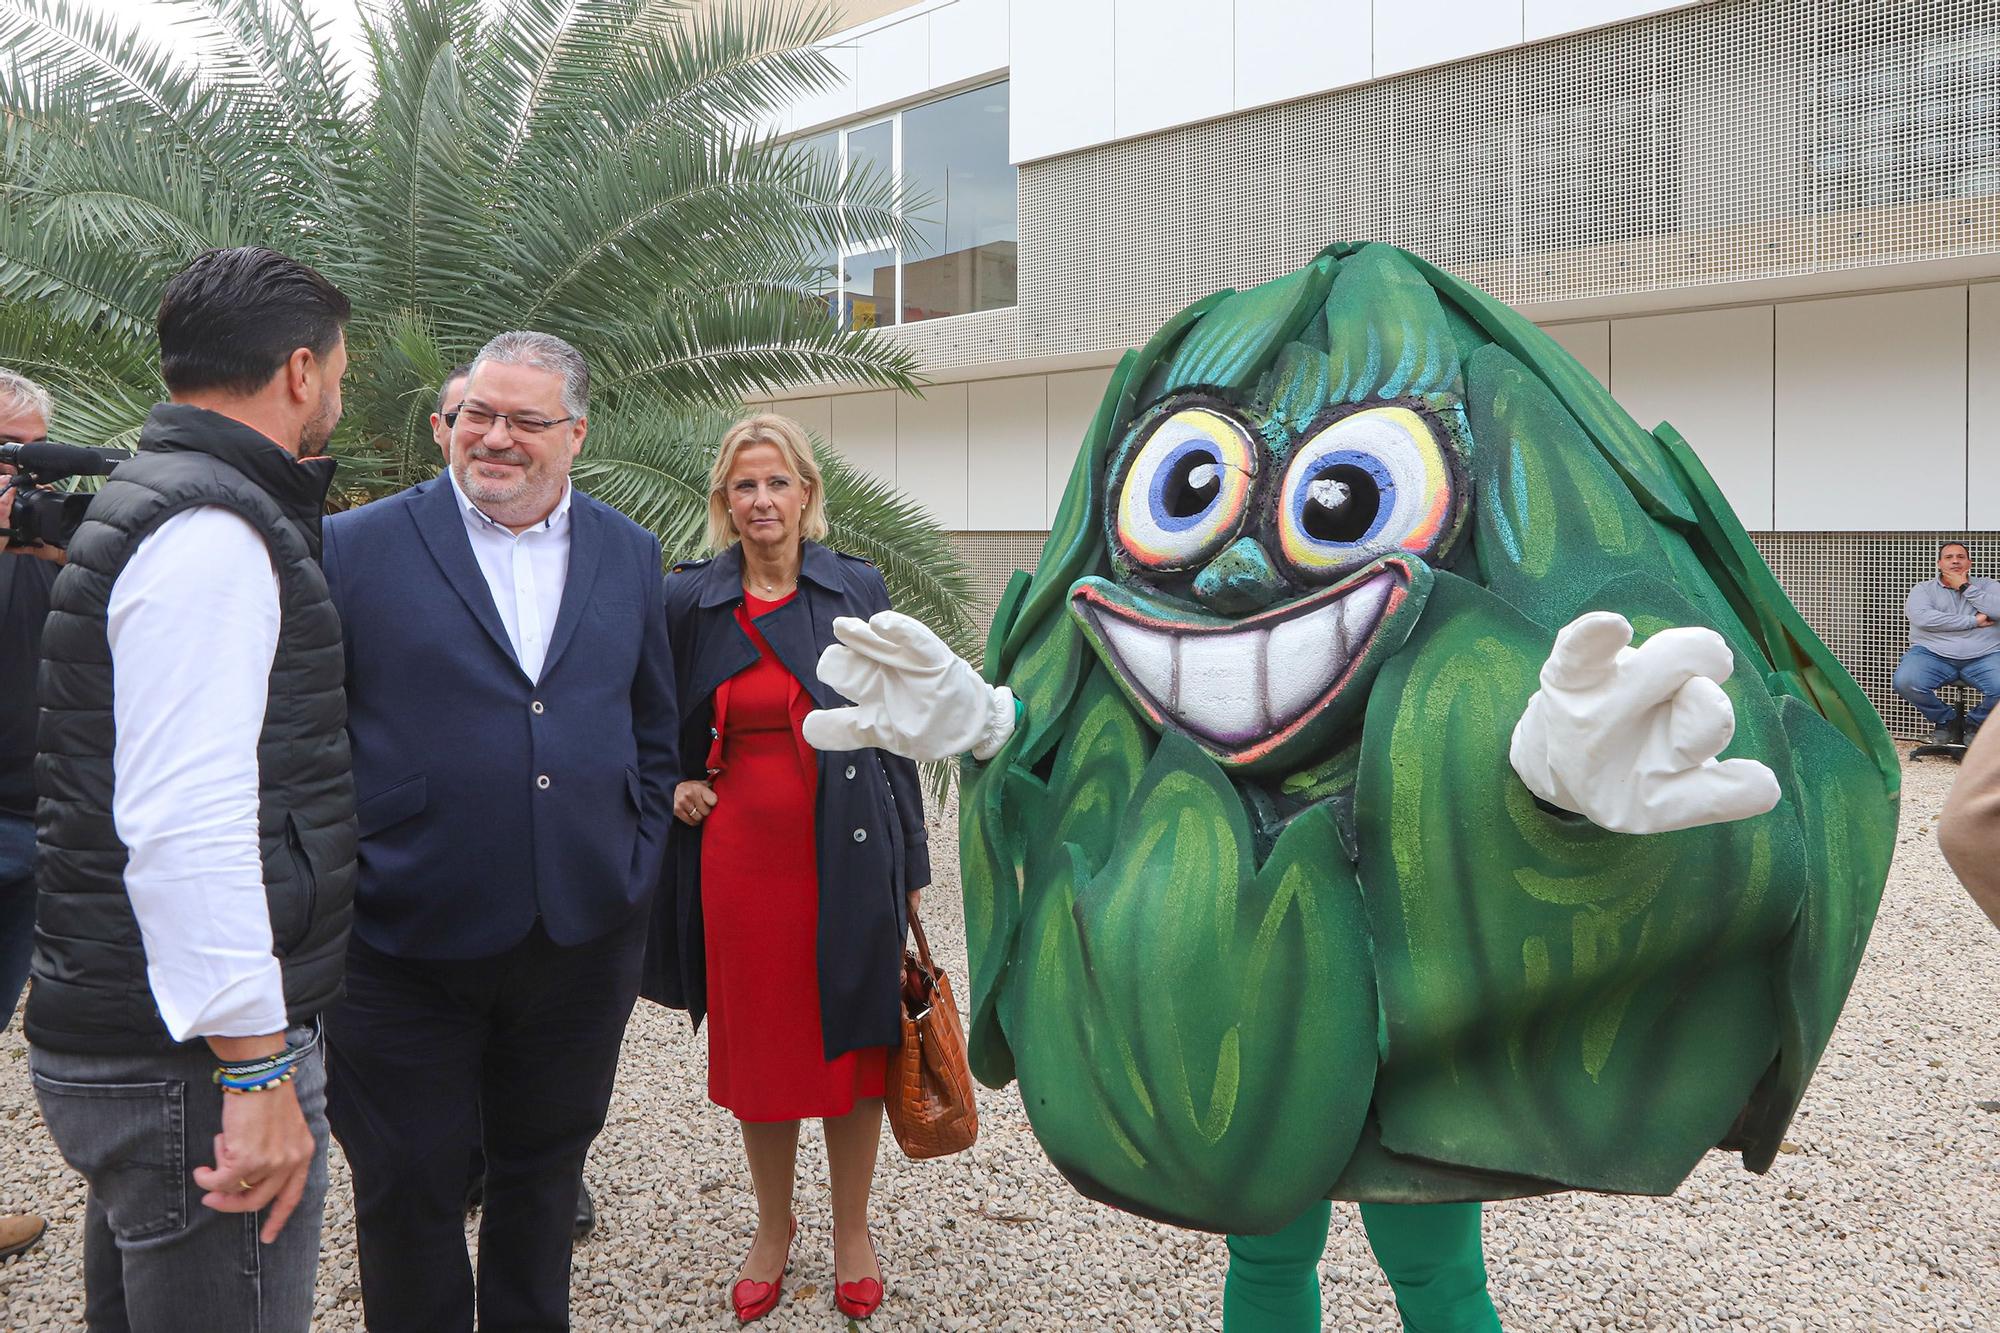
(1982, 437)
(1550, 18)
(1589, 343)
(815, 414)
(1292, 48)
(968, 39)
(1870, 420)
(1709, 373)
(1073, 399)
(893, 63)
(1416, 34)
(1062, 73)
(1173, 63)
(863, 430)
(1007, 462)
(930, 452)
(833, 104)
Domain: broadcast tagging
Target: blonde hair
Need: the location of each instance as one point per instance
(789, 438)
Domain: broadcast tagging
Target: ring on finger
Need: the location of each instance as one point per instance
(244, 1186)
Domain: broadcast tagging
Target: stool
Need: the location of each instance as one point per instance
(1961, 695)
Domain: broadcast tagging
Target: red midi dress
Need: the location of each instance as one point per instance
(760, 906)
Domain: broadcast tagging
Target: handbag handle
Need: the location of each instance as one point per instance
(926, 970)
(923, 945)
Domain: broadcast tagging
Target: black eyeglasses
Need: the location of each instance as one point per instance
(480, 419)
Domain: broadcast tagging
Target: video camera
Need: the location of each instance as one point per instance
(44, 515)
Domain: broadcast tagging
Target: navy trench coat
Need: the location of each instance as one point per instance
(869, 816)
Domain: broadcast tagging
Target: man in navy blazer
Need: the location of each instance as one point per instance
(512, 718)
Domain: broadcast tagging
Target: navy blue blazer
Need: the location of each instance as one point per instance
(485, 799)
(869, 812)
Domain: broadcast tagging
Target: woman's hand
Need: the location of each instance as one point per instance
(913, 897)
(692, 802)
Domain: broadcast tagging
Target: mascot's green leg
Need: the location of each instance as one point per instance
(1273, 1282)
(1432, 1256)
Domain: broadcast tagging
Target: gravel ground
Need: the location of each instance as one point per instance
(1884, 1213)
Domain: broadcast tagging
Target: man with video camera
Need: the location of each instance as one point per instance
(196, 819)
(24, 603)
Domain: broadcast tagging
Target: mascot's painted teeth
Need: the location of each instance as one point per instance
(1235, 683)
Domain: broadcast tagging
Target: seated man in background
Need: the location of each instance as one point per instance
(1954, 636)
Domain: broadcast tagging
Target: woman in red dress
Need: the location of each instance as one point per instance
(800, 918)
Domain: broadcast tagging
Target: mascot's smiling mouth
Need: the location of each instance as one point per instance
(1244, 689)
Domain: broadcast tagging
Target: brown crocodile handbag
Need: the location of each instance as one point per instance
(929, 1098)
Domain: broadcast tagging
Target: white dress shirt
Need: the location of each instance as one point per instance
(193, 629)
(524, 572)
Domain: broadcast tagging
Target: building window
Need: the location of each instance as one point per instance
(951, 157)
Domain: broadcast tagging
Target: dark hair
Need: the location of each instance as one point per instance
(458, 372)
(1942, 546)
(232, 318)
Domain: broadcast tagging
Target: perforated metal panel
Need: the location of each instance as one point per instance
(1849, 586)
(960, 340)
(1728, 141)
(991, 559)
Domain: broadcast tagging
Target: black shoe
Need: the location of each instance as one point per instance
(1941, 736)
(586, 1212)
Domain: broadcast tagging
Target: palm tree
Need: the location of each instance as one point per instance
(591, 167)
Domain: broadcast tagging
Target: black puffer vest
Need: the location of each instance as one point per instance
(91, 993)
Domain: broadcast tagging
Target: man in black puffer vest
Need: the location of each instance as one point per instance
(196, 820)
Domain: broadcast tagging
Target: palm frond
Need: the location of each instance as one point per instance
(724, 346)
(103, 383)
(725, 67)
(592, 167)
(110, 62)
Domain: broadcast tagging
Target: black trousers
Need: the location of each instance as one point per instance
(428, 1058)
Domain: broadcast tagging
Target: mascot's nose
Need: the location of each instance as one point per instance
(1239, 581)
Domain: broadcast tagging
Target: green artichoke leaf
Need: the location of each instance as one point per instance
(1560, 1002)
(1195, 1035)
(1629, 449)
(1850, 824)
(1228, 349)
(1737, 568)
(1553, 521)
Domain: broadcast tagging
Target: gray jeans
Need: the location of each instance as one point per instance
(154, 1259)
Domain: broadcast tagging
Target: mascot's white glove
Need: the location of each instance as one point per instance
(913, 696)
(1627, 737)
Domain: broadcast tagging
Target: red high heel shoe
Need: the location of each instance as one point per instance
(754, 1300)
(858, 1300)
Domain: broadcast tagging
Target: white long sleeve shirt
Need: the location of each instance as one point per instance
(525, 573)
(193, 629)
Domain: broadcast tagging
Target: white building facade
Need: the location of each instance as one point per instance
(1774, 223)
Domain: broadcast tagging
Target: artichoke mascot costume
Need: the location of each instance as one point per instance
(1345, 817)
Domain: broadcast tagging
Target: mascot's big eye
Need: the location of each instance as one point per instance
(1186, 491)
(1369, 484)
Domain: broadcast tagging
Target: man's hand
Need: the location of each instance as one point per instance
(264, 1154)
(1627, 737)
(55, 555)
(692, 802)
(1983, 620)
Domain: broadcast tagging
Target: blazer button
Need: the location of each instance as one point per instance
(850, 770)
(861, 835)
(536, 705)
(543, 782)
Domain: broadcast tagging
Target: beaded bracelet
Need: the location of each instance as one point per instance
(260, 1074)
(264, 1084)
